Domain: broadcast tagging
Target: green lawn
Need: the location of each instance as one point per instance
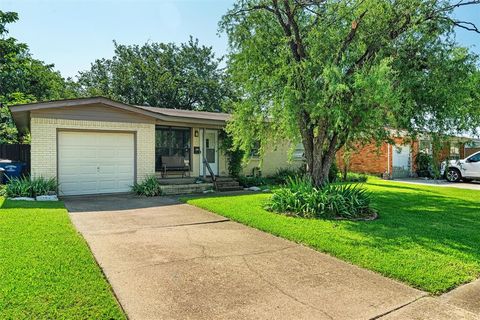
(46, 268)
(428, 237)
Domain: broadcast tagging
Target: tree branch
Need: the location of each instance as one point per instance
(350, 37)
(252, 8)
(470, 26)
(296, 32)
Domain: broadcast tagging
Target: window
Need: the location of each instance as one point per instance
(454, 152)
(299, 152)
(474, 158)
(171, 141)
(473, 144)
(425, 146)
(255, 150)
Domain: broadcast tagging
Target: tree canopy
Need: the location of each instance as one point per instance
(333, 71)
(24, 79)
(187, 76)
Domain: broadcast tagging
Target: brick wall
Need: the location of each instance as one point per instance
(374, 159)
(44, 143)
(470, 151)
(370, 159)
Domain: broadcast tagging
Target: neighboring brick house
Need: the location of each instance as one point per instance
(396, 160)
(472, 147)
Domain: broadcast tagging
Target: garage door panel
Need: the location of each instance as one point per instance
(77, 188)
(124, 169)
(113, 185)
(95, 162)
(79, 178)
(76, 138)
(78, 151)
(75, 170)
(109, 152)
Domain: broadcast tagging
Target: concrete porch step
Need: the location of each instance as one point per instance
(227, 184)
(176, 181)
(173, 189)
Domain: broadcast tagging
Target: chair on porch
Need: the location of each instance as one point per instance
(174, 163)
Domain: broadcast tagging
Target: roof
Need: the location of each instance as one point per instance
(188, 113)
(21, 112)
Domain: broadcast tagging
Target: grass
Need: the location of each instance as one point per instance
(46, 268)
(427, 237)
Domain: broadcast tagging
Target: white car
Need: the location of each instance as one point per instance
(464, 169)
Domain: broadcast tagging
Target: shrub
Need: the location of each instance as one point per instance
(333, 173)
(354, 177)
(248, 182)
(148, 187)
(424, 163)
(43, 186)
(234, 155)
(27, 187)
(18, 187)
(301, 198)
(284, 174)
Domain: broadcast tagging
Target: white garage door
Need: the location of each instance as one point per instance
(95, 162)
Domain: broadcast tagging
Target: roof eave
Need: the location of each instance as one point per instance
(21, 113)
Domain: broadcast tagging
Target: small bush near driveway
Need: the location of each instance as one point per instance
(29, 187)
(148, 187)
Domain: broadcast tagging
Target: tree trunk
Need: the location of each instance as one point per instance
(320, 155)
(346, 163)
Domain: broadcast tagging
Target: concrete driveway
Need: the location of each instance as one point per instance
(474, 185)
(167, 260)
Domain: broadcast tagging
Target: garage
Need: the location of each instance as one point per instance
(95, 162)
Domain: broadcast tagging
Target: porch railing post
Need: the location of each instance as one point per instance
(203, 155)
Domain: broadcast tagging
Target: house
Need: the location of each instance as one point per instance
(472, 147)
(97, 145)
(397, 160)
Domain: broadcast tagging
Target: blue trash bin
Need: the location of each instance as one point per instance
(12, 169)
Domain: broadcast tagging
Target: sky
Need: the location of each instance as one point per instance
(73, 33)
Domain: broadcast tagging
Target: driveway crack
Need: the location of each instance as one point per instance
(249, 267)
(205, 257)
(201, 246)
(133, 230)
(398, 308)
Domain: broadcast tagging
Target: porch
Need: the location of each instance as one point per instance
(186, 185)
(181, 152)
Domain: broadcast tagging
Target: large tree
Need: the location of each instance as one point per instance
(24, 79)
(328, 72)
(187, 76)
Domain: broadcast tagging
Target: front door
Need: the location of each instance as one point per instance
(210, 151)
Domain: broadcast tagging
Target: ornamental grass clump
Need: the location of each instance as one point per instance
(148, 187)
(299, 197)
(43, 186)
(29, 187)
(18, 187)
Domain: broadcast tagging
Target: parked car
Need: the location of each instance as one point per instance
(464, 169)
